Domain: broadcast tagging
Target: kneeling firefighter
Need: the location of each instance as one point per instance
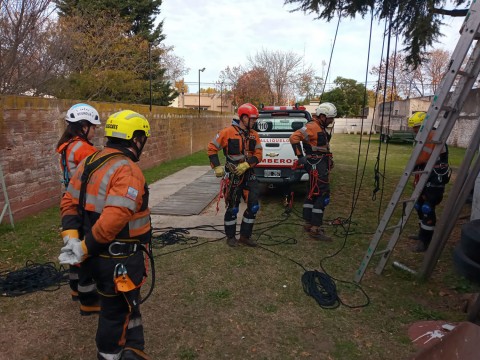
(243, 151)
(432, 193)
(106, 205)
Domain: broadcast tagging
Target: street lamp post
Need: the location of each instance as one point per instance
(199, 71)
(221, 98)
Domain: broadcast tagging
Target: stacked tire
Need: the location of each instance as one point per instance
(466, 259)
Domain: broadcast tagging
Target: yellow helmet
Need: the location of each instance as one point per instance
(416, 119)
(124, 123)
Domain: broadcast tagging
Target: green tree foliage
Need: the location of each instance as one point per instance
(140, 14)
(348, 97)
(116, 39)
(417, 20)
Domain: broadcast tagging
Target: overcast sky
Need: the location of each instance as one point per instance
(221, 33)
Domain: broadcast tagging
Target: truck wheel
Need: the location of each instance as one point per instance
(465, 266)
(470, 240)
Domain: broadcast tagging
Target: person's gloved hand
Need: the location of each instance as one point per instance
(219, 171)
(241, 168)
(74, 252)
(302, 160)
(69, 234)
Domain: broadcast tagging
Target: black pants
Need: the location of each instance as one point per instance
(249, 186)
(120, 321)
(425, 206)
(318, 190)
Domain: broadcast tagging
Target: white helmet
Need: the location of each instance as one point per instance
(79, 112)
(327, 109)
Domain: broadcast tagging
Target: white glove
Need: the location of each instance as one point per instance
(68, 234)
(73, 252)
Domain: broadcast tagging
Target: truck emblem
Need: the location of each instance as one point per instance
(272, 154)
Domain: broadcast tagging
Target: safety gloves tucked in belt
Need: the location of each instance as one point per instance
(241, 168)
(74, 251)
(219, 171)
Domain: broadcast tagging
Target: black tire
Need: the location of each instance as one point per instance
(466, 266)
(470, 240)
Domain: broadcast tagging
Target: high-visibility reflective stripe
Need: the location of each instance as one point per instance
(139, 223)
(106, 356)
(236, 157)
(231, 222)
(427, 149)
(304, 132)
(73, 276)
(135, 323)
(87, 289)
(102, 191)
(113, 200)
(426, 227)
(317, 211)
(71, 159)
(320, 148)
(258, 146)
(308, 206)
(217, 145)
(74, 192)
(248, 221)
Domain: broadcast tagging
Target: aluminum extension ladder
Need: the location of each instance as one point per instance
(442, 113)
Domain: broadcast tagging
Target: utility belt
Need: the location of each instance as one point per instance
(122, 249)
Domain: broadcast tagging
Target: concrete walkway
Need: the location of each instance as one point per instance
(173, 184)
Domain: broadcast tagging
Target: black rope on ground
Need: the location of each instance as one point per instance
(172, 237)
(322, 288)
(33, 277)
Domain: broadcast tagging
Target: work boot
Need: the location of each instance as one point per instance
(318, 234)
(420, 247)
(74, 295)
(247, 240)
(232, 241)
(89, 310)
(134, 354)
(307, 227)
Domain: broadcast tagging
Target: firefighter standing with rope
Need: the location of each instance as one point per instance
(243, 151)
(318, 161)
(106, 205)
(432, 193)
(74, 146)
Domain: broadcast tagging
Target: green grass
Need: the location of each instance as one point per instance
(215, 302)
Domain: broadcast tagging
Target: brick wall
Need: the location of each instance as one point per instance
(30, 128)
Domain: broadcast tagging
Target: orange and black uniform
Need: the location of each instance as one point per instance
(319, 163)
(238, 146)
(432, 193)
(72, 152)
(115, 222)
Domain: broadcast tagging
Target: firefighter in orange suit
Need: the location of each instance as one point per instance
(317, 160)
(432, 193)
(74, 146)
(106, 205)
(243, 151)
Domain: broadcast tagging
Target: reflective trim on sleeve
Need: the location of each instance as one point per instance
(74, 192)
(97, 203)
(139, 223)
(71, 159)
(120, 201)
(427, 149)
(216, 144)
(102, 191)
(258, 146)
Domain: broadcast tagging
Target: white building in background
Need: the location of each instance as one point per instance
(213, 102)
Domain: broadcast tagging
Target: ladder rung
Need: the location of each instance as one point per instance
(446, 108)
(464, 73)
(392, 227)
(381, 252)
(409, 200)
(416, 172)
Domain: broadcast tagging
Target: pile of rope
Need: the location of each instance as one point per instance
(33, 277)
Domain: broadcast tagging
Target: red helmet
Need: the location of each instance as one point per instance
(248, 109)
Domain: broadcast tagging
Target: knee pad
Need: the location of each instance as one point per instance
(235, 210)
(254, 209)
(416, 206)
(426, 209)
(326, 200)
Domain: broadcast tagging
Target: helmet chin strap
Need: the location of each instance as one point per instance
(138, 149)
